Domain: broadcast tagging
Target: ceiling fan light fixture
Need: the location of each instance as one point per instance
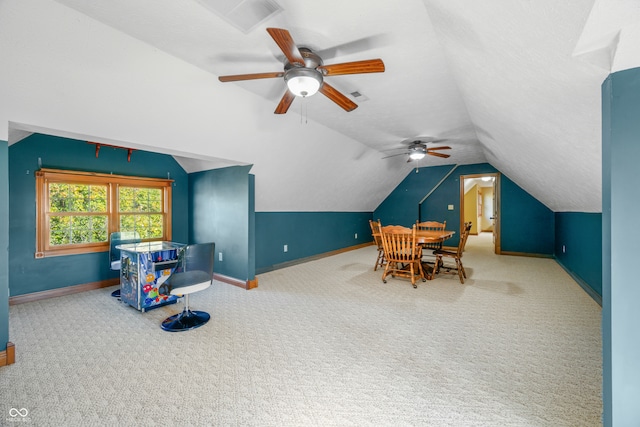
(303, 81)
(417, 154)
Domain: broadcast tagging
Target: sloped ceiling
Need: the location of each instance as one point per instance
(515, 84)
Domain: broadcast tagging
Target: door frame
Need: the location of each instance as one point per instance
(496, 205)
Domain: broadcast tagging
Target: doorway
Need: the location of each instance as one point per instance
(480, 203)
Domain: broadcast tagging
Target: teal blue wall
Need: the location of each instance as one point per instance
(527, 226)
(401, 206)
(607, 387)
(4, 244)
(221, 211)
(448, 193)
(27, 274)
(581, 235)
(306, 234)
(252, 227)
(620, 237)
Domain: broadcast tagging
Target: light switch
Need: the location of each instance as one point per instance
(450, 207)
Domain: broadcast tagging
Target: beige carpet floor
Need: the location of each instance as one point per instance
(324, 343)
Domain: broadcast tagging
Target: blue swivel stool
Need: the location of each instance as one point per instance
(193, 273)
(115, 239)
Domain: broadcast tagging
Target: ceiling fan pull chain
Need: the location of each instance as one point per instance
(303, 110)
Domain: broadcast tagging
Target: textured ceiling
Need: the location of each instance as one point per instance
(515, 84)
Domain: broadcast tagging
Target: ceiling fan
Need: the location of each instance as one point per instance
(304, 73)
(417, 149)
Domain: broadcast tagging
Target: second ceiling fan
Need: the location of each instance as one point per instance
(304, 73)
(417, 149)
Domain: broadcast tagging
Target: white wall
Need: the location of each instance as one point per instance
(66, 74)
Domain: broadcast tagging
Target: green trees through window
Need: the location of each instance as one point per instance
(77, 211)
(141, 211)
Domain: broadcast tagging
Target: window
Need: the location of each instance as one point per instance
(140, 210)
(77, 211)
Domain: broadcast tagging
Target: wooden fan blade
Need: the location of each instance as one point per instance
(238, 77)
(357, 67)
(439, 148)
(435, 153)
(337, 97)
(285, 103)
(287, 46)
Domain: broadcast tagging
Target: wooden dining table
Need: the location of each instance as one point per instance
(432, 236)
(424, 237)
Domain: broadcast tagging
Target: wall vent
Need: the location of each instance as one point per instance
(245, 15)
(358, 96)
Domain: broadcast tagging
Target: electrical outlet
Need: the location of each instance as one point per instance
(219, 256)
(564, 249)
(450, 207)
(286, 248)
(356, 235)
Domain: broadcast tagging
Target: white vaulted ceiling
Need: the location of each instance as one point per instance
(512, 83)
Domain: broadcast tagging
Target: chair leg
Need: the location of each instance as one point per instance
(437, 265)
(379, 260)
(186, 320)
(116, 293)
(386, 272)
(186, 303)
(460, 271)
(423, 275)
(413, 275)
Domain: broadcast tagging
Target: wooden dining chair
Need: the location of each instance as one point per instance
(402, 253)
(456, 256)
(428, 248)
(377, 238)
